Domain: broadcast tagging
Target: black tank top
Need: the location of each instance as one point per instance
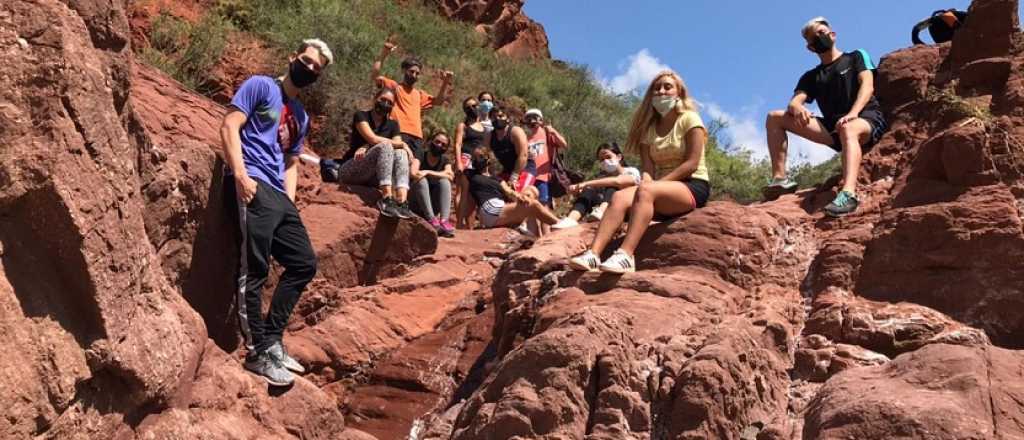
(471, 139)
(504, 150)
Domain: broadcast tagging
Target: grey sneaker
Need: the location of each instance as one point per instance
(388, 207)
(777, 188)
(278, 352)
(267, 367)
(403, 211)
(844, 203)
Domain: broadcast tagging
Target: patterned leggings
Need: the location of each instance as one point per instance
(381, 165)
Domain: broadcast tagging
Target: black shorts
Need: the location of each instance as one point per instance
(701, 191)
(878, 128)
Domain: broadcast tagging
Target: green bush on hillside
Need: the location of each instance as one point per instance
(187, 51)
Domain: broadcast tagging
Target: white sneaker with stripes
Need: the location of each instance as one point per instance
(586, 261)
(620, 262)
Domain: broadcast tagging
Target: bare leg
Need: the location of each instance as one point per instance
(777, 125)
(613, 218)
(852, 134)
(668, 198)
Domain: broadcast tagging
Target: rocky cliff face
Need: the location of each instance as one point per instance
(507, 28)
(767, 321)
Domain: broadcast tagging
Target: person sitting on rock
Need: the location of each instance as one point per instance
(262, 136)
(378, 156)
(469, 134)
(852, 121)
(500, 204)
(593, 196)
(669, 135)
(510, 148)
(432, 177)
(411, 102)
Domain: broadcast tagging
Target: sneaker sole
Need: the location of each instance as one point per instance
(774, 192)
(269, 380)
(299, 370)
(838, 214)
(615, 270)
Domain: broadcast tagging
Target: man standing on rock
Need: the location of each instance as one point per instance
(852, 122)
(411, 102)
(262, 136)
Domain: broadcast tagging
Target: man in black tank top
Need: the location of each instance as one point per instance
(510, 148)
(851, 122)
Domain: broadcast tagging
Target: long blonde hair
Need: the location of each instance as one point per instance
(645, 115)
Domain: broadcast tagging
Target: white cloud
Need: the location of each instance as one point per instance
(746, 130)
(637, 72)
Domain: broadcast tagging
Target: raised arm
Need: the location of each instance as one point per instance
(446, 87)
(378, 64)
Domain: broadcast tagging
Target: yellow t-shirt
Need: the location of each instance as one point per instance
(669, 151)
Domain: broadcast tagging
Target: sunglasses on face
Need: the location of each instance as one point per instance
(440, 144)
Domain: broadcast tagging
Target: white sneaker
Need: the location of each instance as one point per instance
(565, 223)
(596, 214)
(586, 261)
(522, 229)
(620, 262)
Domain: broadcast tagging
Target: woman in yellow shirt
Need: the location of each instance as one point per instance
(669, 135)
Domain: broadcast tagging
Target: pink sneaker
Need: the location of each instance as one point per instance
(447, 229)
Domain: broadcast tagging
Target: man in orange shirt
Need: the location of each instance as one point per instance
(410, 102)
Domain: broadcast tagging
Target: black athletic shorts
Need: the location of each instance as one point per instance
(878, 128)
(701, 191)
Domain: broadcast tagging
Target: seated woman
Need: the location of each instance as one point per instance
(499, 204)
(669, 135)
(593, 196)
(377, 156)
(432, 177)
(469, 134)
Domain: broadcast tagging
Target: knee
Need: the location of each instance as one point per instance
(620, 200)
(848, 132)
(644, 194)
(775, 119)
(306, 268)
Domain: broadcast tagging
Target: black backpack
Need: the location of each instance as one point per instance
(941, 25)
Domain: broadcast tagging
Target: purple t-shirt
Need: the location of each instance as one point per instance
(262, 100)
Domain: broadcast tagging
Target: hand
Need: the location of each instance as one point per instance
(577, 188)
(398, 145)
(447, 76)
(802, 115)
(360, 153)
(245, 187)
(389, 45)
(843, 120)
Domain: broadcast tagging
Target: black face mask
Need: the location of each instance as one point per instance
(480, 164)
(822, 43)
(383, 107)
(438, 150)
(410, 80)
(499, 124)
(301, 75)
(470, 112)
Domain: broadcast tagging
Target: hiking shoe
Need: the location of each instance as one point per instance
(388, 207)
(403, 211)
(447, 228)
(586, 261)
(565, 223)
(620, 262)
(436, 223)
(523, 229)
(268, 367)
(282, 357)
(596, 214)
(844, 203)
(777, 188)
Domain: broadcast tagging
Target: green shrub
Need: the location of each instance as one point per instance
(187, 51)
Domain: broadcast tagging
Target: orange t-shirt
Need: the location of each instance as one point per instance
(409, 105)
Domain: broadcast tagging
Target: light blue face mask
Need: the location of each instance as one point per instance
(484, 107)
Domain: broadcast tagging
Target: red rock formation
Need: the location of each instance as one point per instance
(503, 22)
(760, 322)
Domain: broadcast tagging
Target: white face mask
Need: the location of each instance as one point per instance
(664, 104)
(610, 166)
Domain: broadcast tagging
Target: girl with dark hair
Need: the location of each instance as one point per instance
(432, 178)
(377, 156)
(500, 205)
(469, 134)
(592, 196)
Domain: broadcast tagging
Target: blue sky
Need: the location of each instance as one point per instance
(739, 58)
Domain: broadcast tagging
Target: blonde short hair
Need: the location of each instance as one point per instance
(813, 23)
